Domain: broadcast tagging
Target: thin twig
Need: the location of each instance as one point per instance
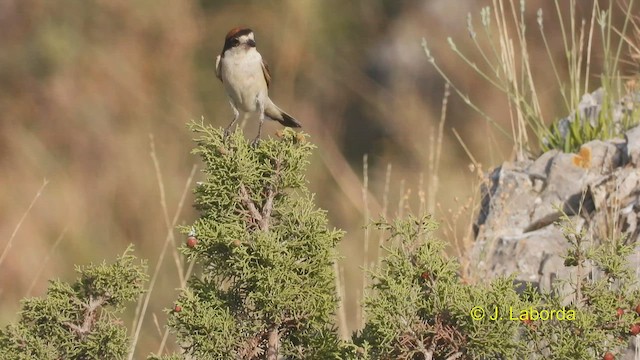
(249, 204)
(273, 346)
(271, 194)
(89, 316)
(266, 210)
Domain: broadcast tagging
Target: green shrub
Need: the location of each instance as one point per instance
(77, 321)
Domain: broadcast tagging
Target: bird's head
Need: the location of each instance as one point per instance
(239, 38)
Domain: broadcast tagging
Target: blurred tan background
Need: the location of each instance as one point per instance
(84, 83)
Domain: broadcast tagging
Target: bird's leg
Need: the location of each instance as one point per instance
(236, 115)
(257, 139)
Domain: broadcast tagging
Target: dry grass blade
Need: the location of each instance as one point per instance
(341, 313)
(24, 216)
(466, 149)
(44, 261)
(156, 323)
(434, 161)
(165, 335)
(142, 305)
(385, 208)
(365, 207)
(163, 204)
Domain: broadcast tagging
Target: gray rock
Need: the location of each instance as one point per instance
(517, 230)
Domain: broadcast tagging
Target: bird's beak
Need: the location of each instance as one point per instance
(251, 43)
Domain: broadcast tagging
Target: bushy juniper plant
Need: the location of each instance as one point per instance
(77, 321)
(266, 287)
(419, 308)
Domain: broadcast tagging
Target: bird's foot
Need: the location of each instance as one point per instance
(227, 132)
(256, 142)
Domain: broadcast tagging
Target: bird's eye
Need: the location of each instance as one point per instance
(235, 42)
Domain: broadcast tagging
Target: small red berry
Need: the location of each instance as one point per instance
(192, 241)
(608, 356)
(634, 329)
(619, 312)
(425, 275)
(177, 308)
(638, 309)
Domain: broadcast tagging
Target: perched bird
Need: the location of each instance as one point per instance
(246, 79)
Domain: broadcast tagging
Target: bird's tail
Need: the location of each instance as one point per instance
(275, 113)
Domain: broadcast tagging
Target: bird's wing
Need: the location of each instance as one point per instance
(219, 68)
(266, 72)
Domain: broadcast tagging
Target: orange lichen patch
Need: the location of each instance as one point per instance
(583, 158)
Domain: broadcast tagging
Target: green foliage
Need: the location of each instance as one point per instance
(265, 251)
(593, 122)
(569, 136)
(77, 321)
(418, 307)
(266, 288)
(604, 291)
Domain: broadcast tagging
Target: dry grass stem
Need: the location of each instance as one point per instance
(341, 313)
(365, 207)
(45, 261)
(22, 218)
(142, 306)
(163, 205)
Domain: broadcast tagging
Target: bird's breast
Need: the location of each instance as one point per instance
(243, 80)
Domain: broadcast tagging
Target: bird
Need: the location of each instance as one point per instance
(246, 79)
